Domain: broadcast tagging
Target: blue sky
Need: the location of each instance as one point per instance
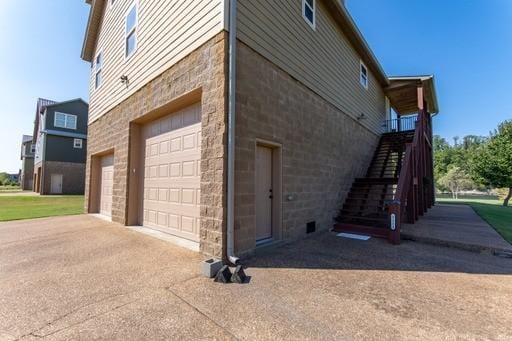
(466, 44)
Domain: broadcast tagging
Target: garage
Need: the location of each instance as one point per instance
(171, 179)
(106, 185)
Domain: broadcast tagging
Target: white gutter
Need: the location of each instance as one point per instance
(231, 135)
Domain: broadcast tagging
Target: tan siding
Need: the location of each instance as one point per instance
(167, 32)
(322, 59)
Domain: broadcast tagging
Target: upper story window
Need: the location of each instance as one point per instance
(308, 12)
(97, 71)
(32, 148)
(363, 75)
(131, 31)
(67, 121)
(77, 143)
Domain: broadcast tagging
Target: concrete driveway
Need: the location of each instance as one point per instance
(83, 278)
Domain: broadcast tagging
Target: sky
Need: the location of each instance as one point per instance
(466, 44)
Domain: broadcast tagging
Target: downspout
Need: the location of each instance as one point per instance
(231, 135)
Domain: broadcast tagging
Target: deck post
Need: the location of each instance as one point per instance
(395, 220)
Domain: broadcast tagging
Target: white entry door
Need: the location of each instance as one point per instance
(56, 184)
(264, 193)
(106, 185)
(172, 173)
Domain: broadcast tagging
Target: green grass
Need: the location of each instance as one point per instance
(9, 189)
(28, 207)
(491, 210)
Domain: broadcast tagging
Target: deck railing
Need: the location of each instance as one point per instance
(402, 124)
(415, 190)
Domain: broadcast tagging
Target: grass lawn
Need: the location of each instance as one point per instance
(491, 210)
(28, 207)
(9, 189)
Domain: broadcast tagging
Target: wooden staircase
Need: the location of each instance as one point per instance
(365, 208)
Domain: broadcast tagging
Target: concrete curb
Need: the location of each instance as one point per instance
(500, 252)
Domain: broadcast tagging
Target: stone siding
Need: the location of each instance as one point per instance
(204, 69)
(73, 177)
(323, 149)
(27, 173)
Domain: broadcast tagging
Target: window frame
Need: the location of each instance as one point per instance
(98, 71)
(304, 5)
(66, 116)
(364, 80)
(133, 31)
(79, 145)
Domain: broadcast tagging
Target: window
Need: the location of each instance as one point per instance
(65, 121)
(308, 12)
(99, 65)
(131, 31)
(32, 148)
(77, 143)
(363, 75)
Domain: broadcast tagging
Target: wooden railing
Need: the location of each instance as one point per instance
(414, 194)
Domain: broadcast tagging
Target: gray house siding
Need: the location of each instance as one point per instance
(56, 154)
(60, 148)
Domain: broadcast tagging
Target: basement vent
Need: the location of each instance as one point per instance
(311, 227)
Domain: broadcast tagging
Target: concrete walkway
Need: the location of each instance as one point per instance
(81, 278)
(456, 226)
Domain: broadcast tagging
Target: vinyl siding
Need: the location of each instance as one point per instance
(322, 59)
(167, 31)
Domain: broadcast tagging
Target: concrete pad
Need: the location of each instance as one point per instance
(456, 226)
(84, 278)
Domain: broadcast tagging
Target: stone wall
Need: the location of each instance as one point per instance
(27, 173)
(203, 69)
(73, 177)
(323, 149)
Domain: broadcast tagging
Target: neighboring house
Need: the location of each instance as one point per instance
(312, 106)
(60, 137)
(27, 163)
(14, 178)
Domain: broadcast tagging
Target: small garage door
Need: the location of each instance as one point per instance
(172, 147)
(107, 183)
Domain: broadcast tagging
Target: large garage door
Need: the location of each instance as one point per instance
(107, 184)
(172, 148)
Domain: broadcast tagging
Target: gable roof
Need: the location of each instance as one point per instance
(26, 138)
(66, 102)
(402, 92)
(92, 30)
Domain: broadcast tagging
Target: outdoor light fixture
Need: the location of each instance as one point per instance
(124, 80)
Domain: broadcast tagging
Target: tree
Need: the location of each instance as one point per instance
(456, 180)
(492, 162)
(4, 178)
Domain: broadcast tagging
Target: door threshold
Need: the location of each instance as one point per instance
(264, 242)
(101, 216)
(185, 243)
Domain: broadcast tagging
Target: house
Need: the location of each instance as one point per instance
(60, 138)
(227, 125)
(13, 178)
(27, 163)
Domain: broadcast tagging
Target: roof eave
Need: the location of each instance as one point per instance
(91, 31)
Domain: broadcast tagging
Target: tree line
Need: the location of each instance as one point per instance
(475, 163)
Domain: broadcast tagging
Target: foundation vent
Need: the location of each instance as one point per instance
(311, 227)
